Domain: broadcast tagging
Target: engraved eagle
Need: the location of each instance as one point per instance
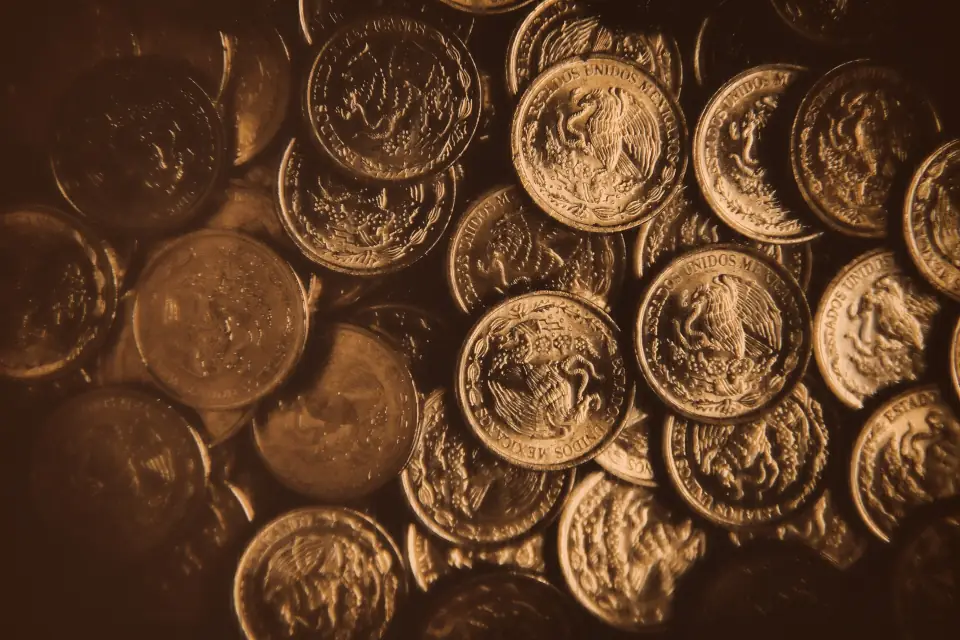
(891, 318)
(945, 220)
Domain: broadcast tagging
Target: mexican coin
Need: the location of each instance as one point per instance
(837, 21)
(628, 456)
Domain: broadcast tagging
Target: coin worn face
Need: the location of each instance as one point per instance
(932, 219)
(628, 456)
(355, 228)
(907, 455)
(420, 119)
(139, 146)
(504, 246)
(60, 293)
(347, 429)
(871, 328)
(468, 496)
(557, 30)
(860, 129)
(837, 21)
(219, 319)
(732, 165)
(319, 573)
(752, 473)
(320, 18)
(599, 144)
(723, 334)
(117, 470)
(622, 553)
(541, 381)
(419, 334)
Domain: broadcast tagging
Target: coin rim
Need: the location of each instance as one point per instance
(606, 463)
(819, 38)
(955, 360)
(481, 10)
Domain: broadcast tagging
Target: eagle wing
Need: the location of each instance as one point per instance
(574, 37)
(920, 306)
(761, 318)
(708, 440)
(640, 133)
(514, 407)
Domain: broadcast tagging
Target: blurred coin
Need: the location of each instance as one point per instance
(249, 206)
(955, 359)
(393, 98)
(932, 219)
(723, 334)
(731, 157)
(319, 18)
(349, 427)
(871, 328)
(858, 132)
(541, 381)
(60, 293)
(468, 496)
(599, 144)
(837, 21)
(422, 336)
(117, 471)
(486, 7)
(320, 573)
(622, 553)
(907, 455)
(219, 319)
(355, 228)
(139, 146)
(628, 456)
(504, 245)
(557, 30)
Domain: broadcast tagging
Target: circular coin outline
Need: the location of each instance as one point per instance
(821, 36)
(486, 8)
(955, 359)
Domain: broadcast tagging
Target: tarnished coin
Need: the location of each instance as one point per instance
(355, 228)
(502, 605)
(731, 161)
(421, 336)
(599, 144)
(557, 30)
(932, 219)
(320, 573)
(622, 553)
(117, 471)
(837, 21)
(139, 146)
(859, 130)
(908, 454)
(628, 456)
(685, 225)
(750, 474)
(393, 98)
(431, 561)
(504, 245)
(542, 382)
(723, 334)
(468, 496)
(59, 293)
(347, 429)
(871, 328)
(320, 18)
(219, 319)
(485, 7)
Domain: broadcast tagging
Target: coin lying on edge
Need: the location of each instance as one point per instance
(220, 319)
(599, 144)
(541, 381)
(319, 572)
(723, 334)
(59, 293)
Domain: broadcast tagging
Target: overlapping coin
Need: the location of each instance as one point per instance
(837, 22)
(628, 456)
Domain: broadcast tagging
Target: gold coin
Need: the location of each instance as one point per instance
(541, 381)
(837, 22)
(487, 7)
(320, 18)
(599, 144)
(622, 553)
(955, 359)
(628, 456)
(871, 328)
(723, 333)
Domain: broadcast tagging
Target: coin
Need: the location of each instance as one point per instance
(684, 224)
(393, 98)
(541, 381)
(871, 328)
(723, 334)
(501, 605)
(731, 162)
(349, 427)
(622, 553)
(319, 18)
(837, 21)
(932, 217)
(859, 129)
(466, 495)
(319, 572)
(431, 561)
(139, 145)
(955, 359)
(60, 293)
(504, 246)
(628, 456)
(599, 144)
(420, 335)
(485, 7)
(220, 319)
(557, 30)
(117, 471)
(907, 455)
(355, 228)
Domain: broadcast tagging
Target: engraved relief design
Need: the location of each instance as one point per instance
(939, 193)
(927, 580)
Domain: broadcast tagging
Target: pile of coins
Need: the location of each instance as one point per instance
(319, 327)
